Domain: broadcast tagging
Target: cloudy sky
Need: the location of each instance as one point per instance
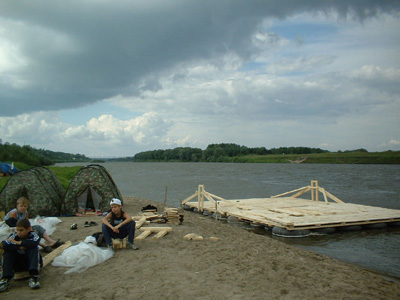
(113, 78)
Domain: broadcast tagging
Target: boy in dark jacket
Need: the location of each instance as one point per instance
(21, 252)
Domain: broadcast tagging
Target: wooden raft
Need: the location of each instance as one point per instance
(290, 212)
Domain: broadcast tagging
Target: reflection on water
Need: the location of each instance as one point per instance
(374, 185)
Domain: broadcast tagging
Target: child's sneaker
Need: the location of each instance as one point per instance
(131, 246)
(4, 284)
(34, 282)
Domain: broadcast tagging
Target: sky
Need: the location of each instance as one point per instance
(114, 78)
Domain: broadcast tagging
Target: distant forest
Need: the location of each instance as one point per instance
(30, 156)
(36, 157)
(216, 153)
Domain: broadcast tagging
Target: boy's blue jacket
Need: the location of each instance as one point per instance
(31, 241)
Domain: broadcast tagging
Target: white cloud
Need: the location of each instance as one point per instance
(371, 72)
(394, 142)
(97, 137)
(299, 64)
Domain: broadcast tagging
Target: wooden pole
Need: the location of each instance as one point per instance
(200, 196)
(314, 190)
(165, 196)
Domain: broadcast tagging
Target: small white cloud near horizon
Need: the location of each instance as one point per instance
(102, 136)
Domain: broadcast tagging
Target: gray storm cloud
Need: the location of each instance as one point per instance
(67, 54)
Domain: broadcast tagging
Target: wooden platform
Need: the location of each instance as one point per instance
(292, 212)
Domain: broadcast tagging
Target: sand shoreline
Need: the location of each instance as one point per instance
(240, 265)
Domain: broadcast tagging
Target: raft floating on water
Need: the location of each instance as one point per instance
(288, 211)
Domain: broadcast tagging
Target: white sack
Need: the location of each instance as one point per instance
(81, 257)
(5, 231)
(48, 223)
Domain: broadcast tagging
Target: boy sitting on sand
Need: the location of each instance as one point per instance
(118, 224)
(21, 253)
(21, 212)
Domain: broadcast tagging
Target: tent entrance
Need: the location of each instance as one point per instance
(89, 199)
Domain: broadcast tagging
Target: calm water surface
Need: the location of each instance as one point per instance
(374, 185)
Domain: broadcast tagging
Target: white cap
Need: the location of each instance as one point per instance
(90, 239)
(115, 201)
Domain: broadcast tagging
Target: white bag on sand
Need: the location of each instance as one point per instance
(81, 257)
(5, 231)
(48, 223)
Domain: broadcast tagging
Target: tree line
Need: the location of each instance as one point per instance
(216, 153)
(35, 157)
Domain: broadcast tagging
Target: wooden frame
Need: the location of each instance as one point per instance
(288, 211)
(315, 189)
(160, 232)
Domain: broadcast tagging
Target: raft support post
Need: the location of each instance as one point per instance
(200, 196)
(314, 190)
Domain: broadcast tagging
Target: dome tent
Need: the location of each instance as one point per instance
(91, 188)
(40, 186)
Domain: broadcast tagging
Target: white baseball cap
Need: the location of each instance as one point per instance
(90, 239)
(115, 201)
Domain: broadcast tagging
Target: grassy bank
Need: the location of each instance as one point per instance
(64, 175)
(389, 157)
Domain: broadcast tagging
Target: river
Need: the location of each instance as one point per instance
(374, 185)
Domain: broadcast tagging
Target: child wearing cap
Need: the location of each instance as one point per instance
(118, 224)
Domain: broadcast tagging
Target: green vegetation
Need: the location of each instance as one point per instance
(348, 157)
(64, 175)
(216, 153)
(243, 154)
(25, 157)
(36, 157)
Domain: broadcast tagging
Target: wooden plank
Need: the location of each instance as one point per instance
(190, 198)
(156, 229)
(301, 192)
(140, 222)
(53, 254)
(160, 234)
(287, 193)
(143, 235)
(288, 211)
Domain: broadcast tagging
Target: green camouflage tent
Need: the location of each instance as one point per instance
(92, 188)
(40, 186)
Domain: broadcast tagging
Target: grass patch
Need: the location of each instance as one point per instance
(388, 157)
(3, 181)
(65, 174)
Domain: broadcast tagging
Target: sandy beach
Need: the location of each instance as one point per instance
(239, 265)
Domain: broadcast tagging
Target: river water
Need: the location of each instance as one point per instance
(374, 185)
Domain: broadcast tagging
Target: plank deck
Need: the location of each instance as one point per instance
(295, 213)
